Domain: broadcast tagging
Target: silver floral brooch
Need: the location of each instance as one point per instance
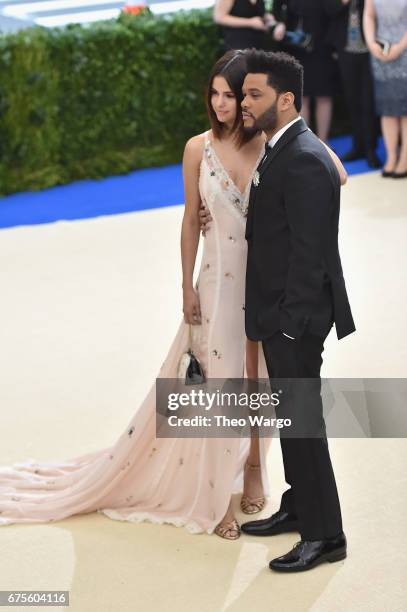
(256, 178)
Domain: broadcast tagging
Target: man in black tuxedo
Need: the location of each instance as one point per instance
(295, 291)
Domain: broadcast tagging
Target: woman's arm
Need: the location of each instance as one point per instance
(191, 227)
(369, 29)
(396, 49)
(339, 165)
(402, 42)
(276, 28)
(222, 17)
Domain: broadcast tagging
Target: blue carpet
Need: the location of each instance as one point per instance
(139, 190)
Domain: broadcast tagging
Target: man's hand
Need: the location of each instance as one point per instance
(205, 219)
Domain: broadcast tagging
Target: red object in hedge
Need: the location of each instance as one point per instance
(134, 9)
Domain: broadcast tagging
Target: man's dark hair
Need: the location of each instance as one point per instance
(284, 72)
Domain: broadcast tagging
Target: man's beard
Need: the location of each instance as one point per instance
(267, 122)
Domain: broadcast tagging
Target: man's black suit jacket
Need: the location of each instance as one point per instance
(294, 279)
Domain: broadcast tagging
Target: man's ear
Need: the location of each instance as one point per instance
(286, 101)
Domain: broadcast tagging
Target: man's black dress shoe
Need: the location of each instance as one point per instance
(372, 160)
(308, 554)
(352, 155)
(280, 522)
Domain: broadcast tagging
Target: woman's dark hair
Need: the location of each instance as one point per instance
(232, 67)
(284, 72)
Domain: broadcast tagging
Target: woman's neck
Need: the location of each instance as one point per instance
(227, 132)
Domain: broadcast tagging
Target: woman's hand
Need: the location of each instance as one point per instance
(395, 51)
(204, 218)
(191, 307)
(343, 175)
(269, 19)
(257, 23)
(377, 51)
(279, 32)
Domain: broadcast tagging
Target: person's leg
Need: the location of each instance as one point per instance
(252, 359)
(350, 74)
(323, 116)
(252, 369)
(254, 453)
(401, 167)
(253, 486)
(307, 462)
(368, 111)
(228, 528)
(391, 134)
(277, 361)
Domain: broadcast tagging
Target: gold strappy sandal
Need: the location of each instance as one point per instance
(228, 531)
(252, 505)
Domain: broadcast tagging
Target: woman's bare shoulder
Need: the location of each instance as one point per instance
(195, 145)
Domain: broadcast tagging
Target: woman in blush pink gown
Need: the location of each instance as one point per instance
(182, 481)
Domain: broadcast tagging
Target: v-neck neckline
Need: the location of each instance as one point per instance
(231, 181)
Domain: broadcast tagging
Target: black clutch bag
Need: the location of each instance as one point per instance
(189, 369)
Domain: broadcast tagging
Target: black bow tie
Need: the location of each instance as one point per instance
(268, 147)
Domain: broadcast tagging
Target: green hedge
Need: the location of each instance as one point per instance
(88, 102)
(84, 102)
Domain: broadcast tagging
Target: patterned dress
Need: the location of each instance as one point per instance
(182, 481)
(390, 78)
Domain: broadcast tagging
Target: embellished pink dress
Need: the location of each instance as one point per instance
(182, 481)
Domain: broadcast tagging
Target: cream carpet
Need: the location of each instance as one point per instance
(88, 310)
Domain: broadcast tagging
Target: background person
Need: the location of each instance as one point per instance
(182, 481)
(386, 21)
(245, 24)
(295, 292)
(346, 35)
(311, 17)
